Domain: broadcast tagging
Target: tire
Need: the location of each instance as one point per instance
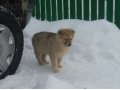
(11, 43)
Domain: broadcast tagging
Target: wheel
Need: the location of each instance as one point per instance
(11, 43)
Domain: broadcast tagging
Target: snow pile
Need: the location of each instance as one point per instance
(93, 61)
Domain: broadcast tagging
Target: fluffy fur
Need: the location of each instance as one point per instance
(53, 44)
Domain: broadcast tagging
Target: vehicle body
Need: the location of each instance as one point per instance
(20, 8)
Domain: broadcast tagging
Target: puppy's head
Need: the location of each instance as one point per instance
(66, 35)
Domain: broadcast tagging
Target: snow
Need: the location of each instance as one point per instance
(93, 60)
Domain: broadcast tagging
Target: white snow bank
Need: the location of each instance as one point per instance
(93, 61)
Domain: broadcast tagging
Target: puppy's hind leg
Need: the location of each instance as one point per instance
(44, 59)
(39, 58)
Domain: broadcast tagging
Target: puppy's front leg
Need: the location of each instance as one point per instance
(59, 62)
(54, 63)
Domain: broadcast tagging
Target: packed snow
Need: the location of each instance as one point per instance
(93, 60)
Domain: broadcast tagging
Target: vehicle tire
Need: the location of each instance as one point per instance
(11, 43)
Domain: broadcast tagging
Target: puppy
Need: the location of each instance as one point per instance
(53, 44)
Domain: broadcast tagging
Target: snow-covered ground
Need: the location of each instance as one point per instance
(93, 61)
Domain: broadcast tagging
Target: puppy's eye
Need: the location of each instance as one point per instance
(70, 39)
(65, 39)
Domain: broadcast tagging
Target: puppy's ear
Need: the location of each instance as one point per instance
(60, 31)
(73, 31)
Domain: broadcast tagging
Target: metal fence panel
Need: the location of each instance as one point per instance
(78, 9)
(60, 9)
(110, 10)
(72, 9)
(94, 15)
(117, 13)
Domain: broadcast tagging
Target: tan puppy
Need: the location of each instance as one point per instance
(53, 44)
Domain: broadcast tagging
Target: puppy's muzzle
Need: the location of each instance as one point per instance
(69, 44)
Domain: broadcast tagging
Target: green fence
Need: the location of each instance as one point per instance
(52, 10)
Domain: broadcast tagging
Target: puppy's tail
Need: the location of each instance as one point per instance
(34, 41)
(34, 44)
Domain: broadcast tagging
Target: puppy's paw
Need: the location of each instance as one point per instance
(46, 62)
(56, 70)
(41, 63)
(60, 66)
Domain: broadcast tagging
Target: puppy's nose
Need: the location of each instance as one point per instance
(69, 44)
